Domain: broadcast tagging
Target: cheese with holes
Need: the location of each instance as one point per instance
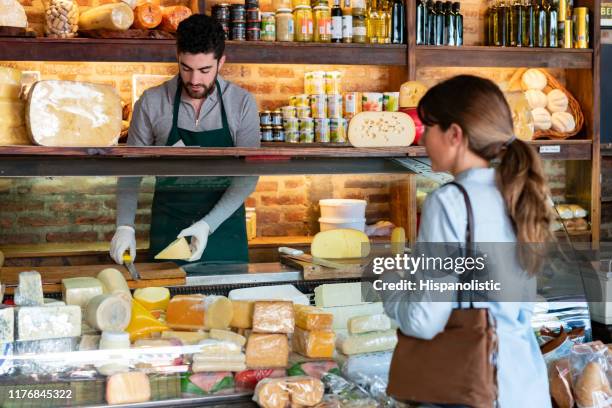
(338, 294)
(340, 243)
(12, 14)
(267, 351)
(48, 322)
(314, 343)
(153, 298)
(128, 388)
(186, 337)
(29, 292)
(108, 313)
(342, 314)
(369, 342)
(227, 335)
(116, 17)
(143, 324)
(365, 324)
(113, 282)
(7, 324)
(79, 291)
(381, 129)
(178, 249)
(218, 312)
(186, 312)
(242, 317)
(312, 318)
(73, 114)
(273, 317)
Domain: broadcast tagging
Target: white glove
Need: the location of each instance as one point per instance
(124, 239)
(199, 238)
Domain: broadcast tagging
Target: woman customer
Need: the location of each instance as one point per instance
(469, 133)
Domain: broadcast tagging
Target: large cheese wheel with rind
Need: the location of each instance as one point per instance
(340, 243)
(12, 14)
(73, 114)
(381, 129)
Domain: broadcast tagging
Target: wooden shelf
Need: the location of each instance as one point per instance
(137, 50)
(480, 56)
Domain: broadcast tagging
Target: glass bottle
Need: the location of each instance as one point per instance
(439, 24)
(503, 11)
(458, 24)
(553, 22)
(489, 24)
(347, 22)
(372, 21)
(542, 35)
(336, 22)
(510, 25)
(449, 24)
(431, 23)
(421, 22)
(495, 24)
(531, 13)
(360, 29)
(398, 22)
(517, 23)
(386, 13)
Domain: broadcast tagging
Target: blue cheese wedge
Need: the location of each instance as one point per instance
(48, 322)
(29, 292)
(7, 324)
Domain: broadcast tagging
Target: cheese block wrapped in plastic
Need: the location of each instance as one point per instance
(172, 17)
(274, 292)
(70, 113)
(370, 364)
(147, 16)
(290, 391)
(79, 291)
(369, 343)
(186, 337)
(48, 322)
(564, 211)
(267, 351)
(12, 14)
(381, 129)
(248, 379)
(242, 317)
(578, 211)
(210, 363)
(29, 292)
(114, 17)
(314, 344)
(312, 318)
(207, 383)
(128, 388)
(211, 347)
(218, 312)
(365, 324)
(227, 335)
(109, 312)
(273, 317)
(186, 312)
(340, 243)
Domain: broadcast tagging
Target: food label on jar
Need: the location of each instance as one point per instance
(336, 28)
(290, 28)
(310, 27)
(347, 26)
(359, 31)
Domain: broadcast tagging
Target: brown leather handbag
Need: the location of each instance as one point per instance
(458, 366)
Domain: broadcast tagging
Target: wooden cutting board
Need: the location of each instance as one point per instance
(152, 274)
(352, 268)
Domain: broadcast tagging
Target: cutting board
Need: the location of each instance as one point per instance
(352, 268)
(152, 274)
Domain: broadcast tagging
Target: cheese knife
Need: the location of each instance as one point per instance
(129, 264)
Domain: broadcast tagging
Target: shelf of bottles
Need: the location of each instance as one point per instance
(439, 23)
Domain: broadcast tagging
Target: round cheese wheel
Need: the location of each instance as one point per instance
(113, 282)
(381, 129)
(108, 313)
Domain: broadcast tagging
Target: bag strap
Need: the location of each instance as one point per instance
(469, 236)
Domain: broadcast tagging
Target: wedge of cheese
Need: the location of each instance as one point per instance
(340, 243)
(69, 113)
(381, 129)
(179, 249)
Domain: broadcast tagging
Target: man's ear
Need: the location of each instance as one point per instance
(221, 62)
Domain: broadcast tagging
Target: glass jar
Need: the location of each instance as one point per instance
(298, 3)
(268, 27)
(285, 30)
(303, 24)
(360, 30)
(61, 18)
(322, 24)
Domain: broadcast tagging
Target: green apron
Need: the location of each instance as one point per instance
(180, 201)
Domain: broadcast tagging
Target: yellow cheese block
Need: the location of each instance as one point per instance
(153, 298)
(340, 243)
(315, 343)
(9, 92)
(312, 318)
(186, 337)
(128, 388)
(73, 114)
(142, 323)
(243, 314)
(381, 129)
(10, 76)
(116, 16)
(218, 312)
(371, 323)
(411, 93)
(398, 240)
(14, 136)
(227, 335)
(267, 351)
(186, 312)
(12, 112)
(179, 249)
(273, 317)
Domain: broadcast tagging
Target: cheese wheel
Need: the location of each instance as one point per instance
(113, 282)
(147, 16)
(115, 17)
(340, 243)
(381, 129)
(108, 313)
(172, 17)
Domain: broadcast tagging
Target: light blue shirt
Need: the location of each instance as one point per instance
(521, 371)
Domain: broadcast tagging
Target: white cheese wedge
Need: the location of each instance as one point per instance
(48, 322)
(79, 291)
(12, 14)
(179, 249)
(73, 114)
(381, 129)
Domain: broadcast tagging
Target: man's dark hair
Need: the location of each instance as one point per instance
(200, 34)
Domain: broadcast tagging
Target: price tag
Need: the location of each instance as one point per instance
(550, 149)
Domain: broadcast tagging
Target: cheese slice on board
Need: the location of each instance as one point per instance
(340, 243)
(381, 129)
(179, 249)
(73, 114)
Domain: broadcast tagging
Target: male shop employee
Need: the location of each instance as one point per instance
(195, 108)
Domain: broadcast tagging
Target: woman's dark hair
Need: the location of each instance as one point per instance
(480, 109)
(200, 34)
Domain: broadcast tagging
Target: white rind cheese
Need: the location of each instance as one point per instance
(79, 291)
(7, 324)
(109, 313)
(342, 314)
(29, 292)
(48, 322)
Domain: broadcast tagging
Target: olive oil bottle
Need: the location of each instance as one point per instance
(458, 24)
(542, 33)
(518, 21)
(421, 23)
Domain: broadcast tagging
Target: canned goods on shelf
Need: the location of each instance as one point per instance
(391, 101)
(337, 129)
(333, 80)
(301, 100)
(238, 32)
(314, 82)
(253, 34)
(318, 105)
(268, 27)
(372, 102)
(292, 137)
(266, 134)
(238, 13)
(322, 130)
(352, 104)
(249, 4)
(277, 118)
(253, 15)
(291, 124)
(221, 12)
(306, 124)
(289, 112)
(306, 136)
(265, 118)
(303, 112)
(278, 134)
(334, 106)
